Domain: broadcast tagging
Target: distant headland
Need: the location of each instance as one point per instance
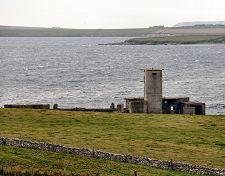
(174, 40)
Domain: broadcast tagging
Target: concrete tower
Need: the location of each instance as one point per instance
(153, 91)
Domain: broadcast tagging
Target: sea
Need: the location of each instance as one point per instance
(78, 72)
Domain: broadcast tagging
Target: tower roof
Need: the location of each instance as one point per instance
(153, 69)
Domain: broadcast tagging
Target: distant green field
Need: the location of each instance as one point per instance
(16, 31)
(178, 40)
(199, 27)
(54, 162)
(181, 38)
(182, 138)
(61, 32)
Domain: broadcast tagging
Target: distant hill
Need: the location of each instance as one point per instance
(156, 31)
(19, 27)
(194, 23)
(21, 31)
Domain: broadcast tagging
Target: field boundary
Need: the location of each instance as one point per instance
(163, 164)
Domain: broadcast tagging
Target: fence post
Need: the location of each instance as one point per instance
(32, 171)
(211, 164)
(93, 152)
(171, 164)
(98, 174)
(64, 171)
(135, 173)
(2, 170)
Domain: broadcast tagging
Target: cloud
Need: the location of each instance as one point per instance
(108, 13)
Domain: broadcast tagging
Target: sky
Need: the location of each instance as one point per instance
(95, 14)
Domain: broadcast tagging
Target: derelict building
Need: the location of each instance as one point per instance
(154, 102)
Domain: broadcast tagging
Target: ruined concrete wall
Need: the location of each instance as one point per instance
(120, 108)
(28, 106)
(87, 110)
(189, 110)
(136, 107)
(199, 107)
(112, 157)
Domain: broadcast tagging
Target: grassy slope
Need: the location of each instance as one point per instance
(199, 27)
(177, 39)
(51, 162)
(191, 139)
(48, 32)
(13, 31)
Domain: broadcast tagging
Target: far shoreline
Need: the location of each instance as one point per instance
(173, 40)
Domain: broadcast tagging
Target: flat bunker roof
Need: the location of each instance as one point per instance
(152, 69)
(174, 98)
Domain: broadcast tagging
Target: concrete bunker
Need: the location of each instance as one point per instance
(173, 105)
(153, 102)
(198, 108)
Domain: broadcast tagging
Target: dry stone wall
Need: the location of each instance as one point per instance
(113, 157)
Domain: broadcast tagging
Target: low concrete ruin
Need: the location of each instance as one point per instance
(28, 106)
(135, 104)
(198, 107)
(170, 105)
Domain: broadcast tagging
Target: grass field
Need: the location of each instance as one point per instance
(178, 40)
(14, 31)
(50, 162)
(182, 138)
(200, 27)
(61, 32)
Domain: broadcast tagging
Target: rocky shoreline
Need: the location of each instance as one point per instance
(154, 41)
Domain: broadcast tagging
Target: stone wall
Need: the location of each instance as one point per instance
(113, 157)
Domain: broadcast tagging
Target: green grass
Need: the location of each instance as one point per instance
(55, 162)
(199, 27)
(179, 40)
(182, 138)
(48, 32)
